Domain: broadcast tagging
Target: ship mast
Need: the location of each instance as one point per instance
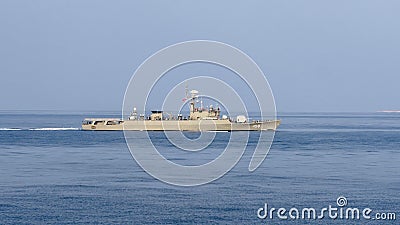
(186, 91)
(193, 96)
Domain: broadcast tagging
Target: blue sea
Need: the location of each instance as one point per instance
(53, 172)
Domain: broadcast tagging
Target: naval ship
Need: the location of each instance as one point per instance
(199, 119)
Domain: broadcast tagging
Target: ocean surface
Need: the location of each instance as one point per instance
(53, 172)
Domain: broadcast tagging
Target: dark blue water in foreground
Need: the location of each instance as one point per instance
(66, 176)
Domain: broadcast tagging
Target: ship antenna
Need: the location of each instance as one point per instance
(186, 91)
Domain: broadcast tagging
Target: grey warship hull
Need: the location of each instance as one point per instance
(178, 125)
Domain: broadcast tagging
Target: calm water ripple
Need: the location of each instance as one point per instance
(66, 176)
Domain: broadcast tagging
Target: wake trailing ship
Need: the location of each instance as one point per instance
(199, 119)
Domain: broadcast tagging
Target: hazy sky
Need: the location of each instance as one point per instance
(317, 55)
